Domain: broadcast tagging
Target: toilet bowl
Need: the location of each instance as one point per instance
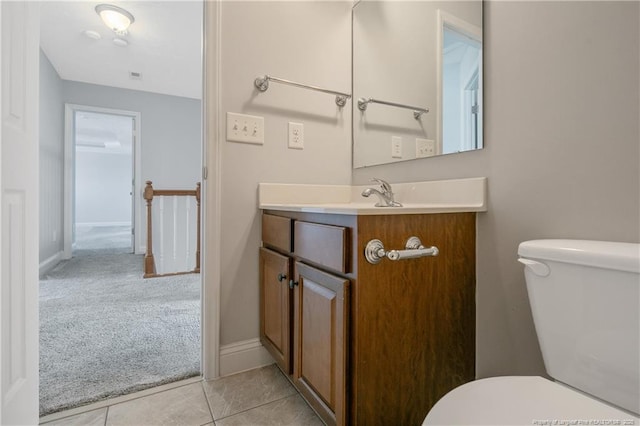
(585, 302)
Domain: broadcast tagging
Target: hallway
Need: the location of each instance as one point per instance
(106, 331)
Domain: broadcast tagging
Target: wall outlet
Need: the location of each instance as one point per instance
(245, 128)
(396, 147)
(296, 135)
(425, 148)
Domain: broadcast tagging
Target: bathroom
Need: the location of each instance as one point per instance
(561, 149)
(560, 132)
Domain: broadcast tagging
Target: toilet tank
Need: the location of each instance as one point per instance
(585, 301)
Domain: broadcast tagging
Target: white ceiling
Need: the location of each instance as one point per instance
(165, 45)
(103, 133)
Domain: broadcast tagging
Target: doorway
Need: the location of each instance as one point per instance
(103, 182)
(460, 89)
(134, 333)
(20, 361)
(459, 77)
(103, 171)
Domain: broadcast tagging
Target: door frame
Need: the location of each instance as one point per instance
(211, 232)
(69, 174)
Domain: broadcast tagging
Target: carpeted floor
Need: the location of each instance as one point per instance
(98, 240)
(105, 331)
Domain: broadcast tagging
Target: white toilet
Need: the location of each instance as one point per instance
(585, 301)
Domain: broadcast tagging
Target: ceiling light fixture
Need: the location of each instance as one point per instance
(120, 42)
(115, 18)
(94, 35)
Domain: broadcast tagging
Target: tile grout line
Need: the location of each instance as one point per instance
(206, 398)
(261, 405)
(152, 394)
(127, 398)
(106, 415)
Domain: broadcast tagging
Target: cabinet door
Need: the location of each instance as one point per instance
(275, 307)
(320, 341)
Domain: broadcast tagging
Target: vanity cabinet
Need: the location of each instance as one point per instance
(369, 344)
(304, 319)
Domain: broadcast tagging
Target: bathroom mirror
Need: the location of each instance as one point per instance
(417, 79)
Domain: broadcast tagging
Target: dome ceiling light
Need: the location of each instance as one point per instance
(116, 18)
(94, 35)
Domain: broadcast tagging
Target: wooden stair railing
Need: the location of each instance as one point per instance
(149, 193)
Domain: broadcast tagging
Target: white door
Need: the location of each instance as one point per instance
(19, 213)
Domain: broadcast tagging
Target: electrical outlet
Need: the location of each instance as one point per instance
(425, 148)
(396, 147)
(296, 135)
(245, 128)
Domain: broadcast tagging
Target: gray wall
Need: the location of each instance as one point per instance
(301, 41)
(562, 153)
(170, 130)
(103, 183)
(51, 159)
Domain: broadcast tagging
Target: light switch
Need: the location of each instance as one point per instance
(425, 148)
(245, 128)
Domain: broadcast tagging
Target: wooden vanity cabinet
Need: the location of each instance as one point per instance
(372, 344)
(275, 293)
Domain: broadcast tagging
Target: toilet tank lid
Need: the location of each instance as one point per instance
(602, 254)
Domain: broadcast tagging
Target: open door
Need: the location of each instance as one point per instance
(19, 213)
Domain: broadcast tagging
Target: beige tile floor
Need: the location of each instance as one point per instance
(257, 397)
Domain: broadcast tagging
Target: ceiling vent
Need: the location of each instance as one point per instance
(135, 75)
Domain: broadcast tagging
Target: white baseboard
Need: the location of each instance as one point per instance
(242, 356)
(48, 264)
(98, 224)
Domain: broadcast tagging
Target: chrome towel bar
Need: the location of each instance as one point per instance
(417, 111)
(262, 83)
(374, 252)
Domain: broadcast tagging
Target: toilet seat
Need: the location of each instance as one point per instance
(521, 400)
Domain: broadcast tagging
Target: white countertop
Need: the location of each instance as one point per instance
(446, 196)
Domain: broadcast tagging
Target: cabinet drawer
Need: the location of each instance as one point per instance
(276, 232)
(324, 245)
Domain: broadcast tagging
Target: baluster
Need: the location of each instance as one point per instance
(149, 262)
(175, 232)
(187, 225)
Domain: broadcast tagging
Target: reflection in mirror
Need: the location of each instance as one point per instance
(461, 59)
(413, 56)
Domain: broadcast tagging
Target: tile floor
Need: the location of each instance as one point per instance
(257, 397)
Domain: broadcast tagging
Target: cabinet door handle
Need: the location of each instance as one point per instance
(292, 283)
(282, 277)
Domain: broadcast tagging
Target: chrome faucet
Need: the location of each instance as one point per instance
(385, 195)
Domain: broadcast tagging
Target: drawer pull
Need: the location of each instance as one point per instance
(292, 283)
(282, 277)
(374, 252)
